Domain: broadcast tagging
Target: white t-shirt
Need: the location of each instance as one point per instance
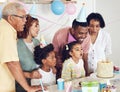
(48, 78)
(30, 46)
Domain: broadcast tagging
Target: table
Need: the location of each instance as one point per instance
(115, 80)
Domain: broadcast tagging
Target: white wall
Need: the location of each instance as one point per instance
(50, 23)
(111, 12)
(108, 8)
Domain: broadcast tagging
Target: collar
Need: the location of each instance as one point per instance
(6, 23)
(70, 38)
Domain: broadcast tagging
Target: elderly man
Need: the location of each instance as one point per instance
(13, 20)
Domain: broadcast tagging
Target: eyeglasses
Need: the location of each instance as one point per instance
(22, 17)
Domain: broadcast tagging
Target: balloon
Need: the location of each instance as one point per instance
(70, 8)
(57, 7)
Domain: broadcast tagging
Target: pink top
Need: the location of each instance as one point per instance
(63, 37)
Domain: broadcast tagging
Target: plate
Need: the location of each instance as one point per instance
(94, 75)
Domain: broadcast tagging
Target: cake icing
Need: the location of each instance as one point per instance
(105, 69)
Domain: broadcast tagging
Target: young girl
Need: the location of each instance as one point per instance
(45, 57)
(73, 64)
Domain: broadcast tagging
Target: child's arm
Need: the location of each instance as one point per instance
(66, 72)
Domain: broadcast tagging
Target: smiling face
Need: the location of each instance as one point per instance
(80, 33)
(94, 26)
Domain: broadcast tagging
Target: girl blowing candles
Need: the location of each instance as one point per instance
(73, 64)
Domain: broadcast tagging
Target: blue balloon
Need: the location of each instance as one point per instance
(57, 7)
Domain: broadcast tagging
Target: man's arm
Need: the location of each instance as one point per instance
(85, 59)
(34, 74)
(16, 71)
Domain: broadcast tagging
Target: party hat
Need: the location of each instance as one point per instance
(33, 10)
(81, 18)
(42, 42)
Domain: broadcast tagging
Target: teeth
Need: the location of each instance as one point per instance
(81, 39)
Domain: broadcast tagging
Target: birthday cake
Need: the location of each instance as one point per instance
(105, 69)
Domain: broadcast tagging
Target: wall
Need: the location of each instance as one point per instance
(50, 23)
(111, 12)
(107, 8)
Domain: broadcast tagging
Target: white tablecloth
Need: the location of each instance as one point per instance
(115, 81)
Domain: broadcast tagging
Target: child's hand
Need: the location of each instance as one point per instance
(35, 74)
(54, 70)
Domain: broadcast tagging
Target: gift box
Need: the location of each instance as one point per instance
(91, 86)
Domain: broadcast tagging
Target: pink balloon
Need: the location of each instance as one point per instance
(70, 8)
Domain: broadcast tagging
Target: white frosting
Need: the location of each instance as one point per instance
(105, 69)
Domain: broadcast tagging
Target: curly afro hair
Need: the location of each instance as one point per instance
(42, 53)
